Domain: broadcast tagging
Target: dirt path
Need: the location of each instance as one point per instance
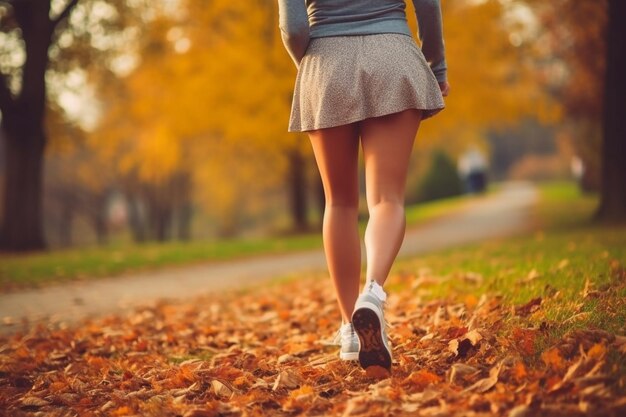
(503, 213)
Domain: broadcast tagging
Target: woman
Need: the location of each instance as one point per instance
(363, 79)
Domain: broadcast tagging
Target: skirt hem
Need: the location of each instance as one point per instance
(426, 114)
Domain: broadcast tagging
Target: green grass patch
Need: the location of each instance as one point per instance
(575, 266)
(95, 262)
(420, 213)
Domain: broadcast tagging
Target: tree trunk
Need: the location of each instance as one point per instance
(23, 125)
(297, 190)
(136, 220)
(162, 217)
(185, 214)
(22, 227)
(613, 189)
(66, 220)
(182, 210)
(99, 218)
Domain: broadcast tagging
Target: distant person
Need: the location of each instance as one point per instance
(363, 79)
(473, 170)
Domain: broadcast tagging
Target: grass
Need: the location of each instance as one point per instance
(575, 266)
(26, 270)
(420, 213)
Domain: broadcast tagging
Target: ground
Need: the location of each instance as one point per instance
(526, 326)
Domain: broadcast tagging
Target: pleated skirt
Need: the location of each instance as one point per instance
(344, 79)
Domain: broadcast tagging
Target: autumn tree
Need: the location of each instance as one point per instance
(210, 97)
(44, 42)
(494, 83)
(23, 103)
(570, 61)
(585, 45)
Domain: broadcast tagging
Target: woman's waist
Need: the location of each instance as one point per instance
(361, 27)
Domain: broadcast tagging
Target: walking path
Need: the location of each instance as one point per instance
(503, 213)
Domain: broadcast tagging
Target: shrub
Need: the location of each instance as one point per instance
(442, 179)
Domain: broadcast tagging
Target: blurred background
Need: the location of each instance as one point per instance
(138, 121)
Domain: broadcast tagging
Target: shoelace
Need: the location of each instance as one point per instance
(377, 291)
(339, 336)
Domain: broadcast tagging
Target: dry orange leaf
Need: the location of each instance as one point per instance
(597, 351)
(122, 411)
(422, 378)
(32, 401)
(519, 371)
(301, 392)
(470, 301)
(552, 358)
(525, 340)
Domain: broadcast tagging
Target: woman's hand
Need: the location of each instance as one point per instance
(445, 88)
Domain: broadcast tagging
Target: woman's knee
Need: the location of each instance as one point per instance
(387, 200)
(342, 200)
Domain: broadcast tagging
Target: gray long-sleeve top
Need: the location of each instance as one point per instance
(302, 20)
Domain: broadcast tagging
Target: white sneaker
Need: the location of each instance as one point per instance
(369, 324)
(349, 342)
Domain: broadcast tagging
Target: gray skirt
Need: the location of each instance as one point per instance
(344, 79)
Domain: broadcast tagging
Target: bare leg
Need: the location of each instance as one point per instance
(387, 142)
(336, 151)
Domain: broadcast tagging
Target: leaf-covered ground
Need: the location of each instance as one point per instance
(261, 352)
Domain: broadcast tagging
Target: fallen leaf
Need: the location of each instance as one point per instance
(302, 392)
(552, 358)
(122, 411)
(486, 384)
(520, 411)
(460, 370)
(519, 371)
(32, 401)
(461, 346)
(529, 307)
(286, 358)
(597, 351)
(421, 379)
(220, 389)
(470, 301)
(286, 379)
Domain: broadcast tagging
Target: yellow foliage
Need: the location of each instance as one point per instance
(492, 83)
(213, 92)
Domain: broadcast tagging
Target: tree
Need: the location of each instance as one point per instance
(210, 96)
(23, 122)
(587, 39)
(570, 61)
(613, 188)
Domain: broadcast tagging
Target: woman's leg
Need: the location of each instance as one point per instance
(387, 142)
(336, 151)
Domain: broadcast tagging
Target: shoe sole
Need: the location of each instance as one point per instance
(372, 349)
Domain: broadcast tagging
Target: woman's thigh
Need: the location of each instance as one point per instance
(387, 143)
(336, 152)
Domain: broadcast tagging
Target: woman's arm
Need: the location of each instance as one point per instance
(293, 22)
(431, 34)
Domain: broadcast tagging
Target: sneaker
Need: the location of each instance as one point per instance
(369, 325)
(349, 342)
